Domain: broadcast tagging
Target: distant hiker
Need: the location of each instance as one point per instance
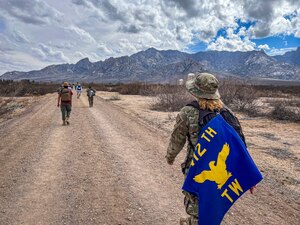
(91, 93)
(70, 86)
(65, 102)
(189, 121)
(78, 89)
(60, 88)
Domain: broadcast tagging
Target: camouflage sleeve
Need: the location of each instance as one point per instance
(178, 136)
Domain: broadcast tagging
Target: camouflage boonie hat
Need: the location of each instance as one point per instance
(203, 85)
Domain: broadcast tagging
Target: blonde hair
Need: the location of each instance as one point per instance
(210, 104)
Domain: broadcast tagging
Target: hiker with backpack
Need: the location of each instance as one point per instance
(189, 122)
(91, 93)
(65, 102)
(78, 89)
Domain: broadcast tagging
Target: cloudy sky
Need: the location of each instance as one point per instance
(37, 33)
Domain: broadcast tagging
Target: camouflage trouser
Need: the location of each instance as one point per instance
(191, 208)
(91, 101)
(65, 110)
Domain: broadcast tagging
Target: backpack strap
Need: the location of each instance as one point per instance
(225, 112)
(202, 112)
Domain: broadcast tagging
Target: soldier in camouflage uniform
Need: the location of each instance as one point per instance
(204, 87)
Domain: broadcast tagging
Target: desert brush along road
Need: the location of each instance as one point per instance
(106, 167)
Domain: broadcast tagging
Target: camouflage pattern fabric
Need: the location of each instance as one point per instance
(203, 85)
(186, 125)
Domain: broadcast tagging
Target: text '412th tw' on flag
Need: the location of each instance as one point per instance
(221, 171)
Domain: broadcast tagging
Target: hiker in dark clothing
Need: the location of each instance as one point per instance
(91, 93)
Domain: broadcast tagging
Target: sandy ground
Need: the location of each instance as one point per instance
(11, 107)
(108, 167)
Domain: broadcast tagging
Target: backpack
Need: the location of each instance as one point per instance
(221, 170)
(79, 88)
(204, 117)
(65, 95)
(91, 93)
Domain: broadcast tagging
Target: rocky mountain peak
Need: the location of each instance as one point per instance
(83, 61)
(82, 65)
(292, 57)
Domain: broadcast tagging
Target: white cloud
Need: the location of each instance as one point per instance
(31, 12)
(46, 53)
(280, 51)
(19, 61)
(6, 44)
(62, 44)
(264, 47)
(233, 42)
(82, 34)
(103, 49)
(19, 37)
(295, 23)
(98, 29)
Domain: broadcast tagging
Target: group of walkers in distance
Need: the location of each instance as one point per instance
(64, 100)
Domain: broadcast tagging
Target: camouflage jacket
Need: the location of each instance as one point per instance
(187, 127)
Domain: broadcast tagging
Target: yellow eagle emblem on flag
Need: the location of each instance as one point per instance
(218, 172)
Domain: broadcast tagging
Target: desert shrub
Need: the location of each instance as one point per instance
(4, 106)
(97, 86)
(143, 89)
(277, 91)
(284, 111)
(152, 89)
(11, 88)
(228, 90)
(129, 89)
(115, 97)
(245, 99)
(239, 96)
(171, 98)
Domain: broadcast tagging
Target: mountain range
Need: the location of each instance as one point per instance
(153, 65)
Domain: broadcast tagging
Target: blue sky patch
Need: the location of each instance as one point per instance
(2, 25)
(281, 41)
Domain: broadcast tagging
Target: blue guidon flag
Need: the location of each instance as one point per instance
(221, 171)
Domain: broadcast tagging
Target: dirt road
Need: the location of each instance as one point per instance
(105, 168)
